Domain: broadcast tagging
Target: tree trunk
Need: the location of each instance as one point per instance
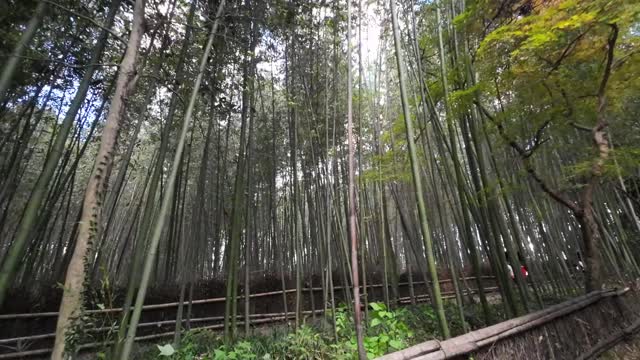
(71, 305)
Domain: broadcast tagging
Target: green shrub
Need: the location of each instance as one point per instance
(387, 330)
(242, 350)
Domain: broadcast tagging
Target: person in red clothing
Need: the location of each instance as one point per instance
(523, 268)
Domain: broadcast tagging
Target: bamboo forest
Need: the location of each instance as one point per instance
(319, 179)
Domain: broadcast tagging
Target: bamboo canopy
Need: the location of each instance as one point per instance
(290, 156)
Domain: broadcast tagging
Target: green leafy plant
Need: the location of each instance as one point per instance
(166, 350)
(197, 342)
(242, 350)
(387, 331)
(305, 343)
(344, 323)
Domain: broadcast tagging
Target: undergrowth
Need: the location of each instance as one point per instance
(387, 330)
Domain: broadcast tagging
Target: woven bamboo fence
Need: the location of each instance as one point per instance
(581, 328)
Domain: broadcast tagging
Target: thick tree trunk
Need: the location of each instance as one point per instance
(591, 235)
(591, 239)
(71, 305)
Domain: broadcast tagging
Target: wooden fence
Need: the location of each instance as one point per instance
(38, 344)
(581, 328)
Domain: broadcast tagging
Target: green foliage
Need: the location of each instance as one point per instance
(165, 350)
(462, 100)
(552, 26)
(197, 342)
(627, 161)
(344, 323)
(387, 331)
(78, 333)
(463, 18)
(623, 161)
(564, 33)
(546, 68)
(304, 343)
(241, 350)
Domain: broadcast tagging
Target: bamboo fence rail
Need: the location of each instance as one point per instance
(211, 300)
(484, 340)
(256, 319)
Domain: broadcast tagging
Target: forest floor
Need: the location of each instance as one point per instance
(626, 350)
